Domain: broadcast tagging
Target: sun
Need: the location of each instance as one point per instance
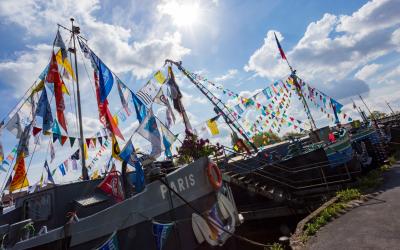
(183, 14)
(186, 15)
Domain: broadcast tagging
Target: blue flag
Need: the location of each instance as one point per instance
(267, 93)
(161, 232)
(337, 108)
(56, 131)
(128, 155)
(127, 152)
(49, 175)
(106, 80)
(167, 146)
(44, 110)
(62, 169)
(140, 108)
(111, 243)
(239, 109)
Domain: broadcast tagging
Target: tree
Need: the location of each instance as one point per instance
(377, 115)
(265, 138)
(293, 134)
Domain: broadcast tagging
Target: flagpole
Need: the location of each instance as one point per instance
(297, 85)
(75, 31)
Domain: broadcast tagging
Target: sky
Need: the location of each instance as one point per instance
(344, 48)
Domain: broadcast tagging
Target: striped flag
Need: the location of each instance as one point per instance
(148, 92)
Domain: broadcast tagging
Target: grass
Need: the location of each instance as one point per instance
(276, 246)
(366, 183)
(331, 211)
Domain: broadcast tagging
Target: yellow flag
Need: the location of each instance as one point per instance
(64, 89)
(85, 151)
(38, 87)
(115, 148)
(95, 175)
(212, 125)
(65, 63)
(115, 118)
(159, 77)
(41, 181)
(20, 180)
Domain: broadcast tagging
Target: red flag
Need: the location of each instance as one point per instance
(52, 74)
(111, 185)
(280, 48)
(36, 130)
(63, 139)
(104, 113)
(60, 104)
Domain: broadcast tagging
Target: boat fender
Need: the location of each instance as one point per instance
(43, 230)
(196, 229)
(215, 183)
(201, 230)
(222, 208)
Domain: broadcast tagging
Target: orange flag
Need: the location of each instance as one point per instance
(20, 180)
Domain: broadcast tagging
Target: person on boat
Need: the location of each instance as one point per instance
(331, 137)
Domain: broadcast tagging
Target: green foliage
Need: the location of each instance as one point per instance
(193, 148)
(276, 246)
(392, 160)
(331, 211)
(384, 168)
(348, 194)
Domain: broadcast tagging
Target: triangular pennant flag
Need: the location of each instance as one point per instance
(36, 130)
(55, 137)
(63, 139)
(20, 179)
(100, 139)
(72, 141)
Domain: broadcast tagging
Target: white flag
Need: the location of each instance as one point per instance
(14, 126)
(149, 130)
(148, 92)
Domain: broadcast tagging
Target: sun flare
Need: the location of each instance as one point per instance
(183, 15)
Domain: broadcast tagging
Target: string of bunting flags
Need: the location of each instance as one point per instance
(322, 101)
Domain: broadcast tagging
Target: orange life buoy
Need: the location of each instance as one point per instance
(216, 184)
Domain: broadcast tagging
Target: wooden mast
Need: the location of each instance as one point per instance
(75, 31)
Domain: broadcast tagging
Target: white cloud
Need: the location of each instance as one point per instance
(265, 61)
(115, 44)
(367, 71)
(333, 47)
(229, 75)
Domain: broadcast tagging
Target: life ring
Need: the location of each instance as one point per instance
(216, 184)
